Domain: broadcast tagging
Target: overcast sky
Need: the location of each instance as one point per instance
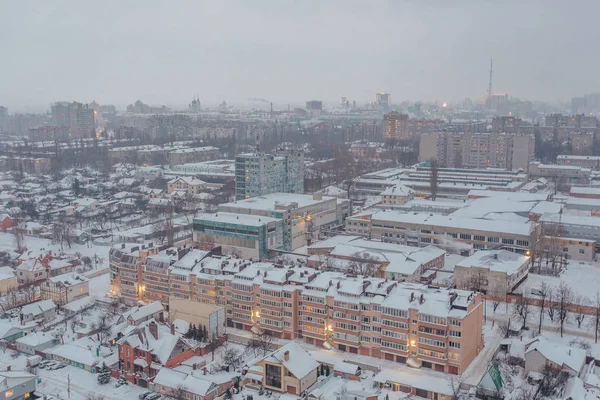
(164, 52)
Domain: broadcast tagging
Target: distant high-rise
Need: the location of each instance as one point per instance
(195, 106)
(257, 174)
(395, 126)
(3, 112)
(383, 100)
(314, 108)
(78, 117)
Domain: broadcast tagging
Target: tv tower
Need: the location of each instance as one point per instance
(489, 92)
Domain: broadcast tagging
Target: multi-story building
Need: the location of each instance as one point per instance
(478, 150)
(454, 234)
(591, 162)
(63, 289)
(383, 100)
(440, 329)
(49, 133)
(258, 174)
(314, 108)
(563, 173)
(493, 272)
(3, 112)
(80, 118)
(193, 155)
(395, 126)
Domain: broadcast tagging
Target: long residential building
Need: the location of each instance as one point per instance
(478, 150)
(440, 329)
(457, 234)
(592, 162)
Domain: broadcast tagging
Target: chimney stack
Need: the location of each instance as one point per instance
(286, 355)
(153, 327)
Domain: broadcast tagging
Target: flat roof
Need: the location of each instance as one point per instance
(269, 201)
(239, 219)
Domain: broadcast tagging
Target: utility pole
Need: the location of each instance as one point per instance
(69, 385)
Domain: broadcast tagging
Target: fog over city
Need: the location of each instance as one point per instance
(299, 200)
(287, 51)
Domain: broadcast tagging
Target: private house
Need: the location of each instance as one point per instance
(149, 347)
(139, 315)
(65, 288)
(85, 353)
(197, 384)
(17, 385)
(289, 369)
(32, 271)
(44, 310)
(541, 354)
(35, 342)
(8, 279)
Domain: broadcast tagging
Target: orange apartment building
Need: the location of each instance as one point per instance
(408, 323)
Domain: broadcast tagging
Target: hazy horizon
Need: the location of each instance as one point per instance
(291, 51)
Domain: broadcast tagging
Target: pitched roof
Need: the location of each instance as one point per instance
(558, 354)
(38, 308)
(299, 362)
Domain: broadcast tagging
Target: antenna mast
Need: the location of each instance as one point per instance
(489, 93)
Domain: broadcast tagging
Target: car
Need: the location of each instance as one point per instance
(153, 396)
(52, 366)
(43, 364)
(144, 395)
(59, 366)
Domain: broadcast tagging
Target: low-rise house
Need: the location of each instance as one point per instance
(6, 222)
(10, 332)
(494, 272)
(65, 288)
(139, 315)
(44, 310)
(32, 271)
(8, 280)
(85, 353)
(289, 369)
(197, 384)
(187, 184)
(59, 267)
(541, 354)
(17, 385)
(35, 342)
(146, 349)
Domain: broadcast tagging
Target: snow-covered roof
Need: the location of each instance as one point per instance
(194, 381)
(300, 363)
(238, 219)
(162, 347)
(140, 313)
(83, 351)
(34, 339)
(397, 190)
(38, 308)
(11, 379)
(6, 273)
(31, 265)
(495, 260)
(570, 357)
(268, 202)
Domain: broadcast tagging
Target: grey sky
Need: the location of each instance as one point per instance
(291, 51)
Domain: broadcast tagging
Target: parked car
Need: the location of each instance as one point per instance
(154, 396)
(59, 366)
(144, 395)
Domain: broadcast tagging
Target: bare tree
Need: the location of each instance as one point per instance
(434, 179)
(19, 227)
(564, 297)
(580, 307)
(94, 396)
(230, 356)
(551, 309)
(261, 343)
(180, 392)
(505, 328)
(455, 383)
(543, 293)
(104, 327)
(363, 264)
(521, 308)
(553, 381)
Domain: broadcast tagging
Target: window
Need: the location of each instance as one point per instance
(566, 249)
(455, 345)
(581, 251)
(524, 243)
(479, 238)
(455, 333)
(508, 241)
(493, 239)
(466, 236)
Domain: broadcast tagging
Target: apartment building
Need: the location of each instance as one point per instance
(395, 126)
(459, 234)
(591, 162)
(562, 173)
(281, 221)
(493, 272)
(258, 174)
(435, 328)
(192, 155)
(478, 150)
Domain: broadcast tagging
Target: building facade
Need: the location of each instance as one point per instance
(258, 174)
(395, 126)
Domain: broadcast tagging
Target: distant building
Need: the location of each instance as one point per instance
(561, 174)
(195, 106)
(497, 101)
(80, 118)
(258, 174)
(383, 100)
(395, 126)
(478, 150)
(591, 162)
(16, 385)
(314, 108)
(3, 112)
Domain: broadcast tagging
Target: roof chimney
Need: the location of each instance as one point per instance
(286, 355)
(153, 328)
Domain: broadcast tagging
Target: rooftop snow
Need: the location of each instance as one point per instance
(495, 260)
